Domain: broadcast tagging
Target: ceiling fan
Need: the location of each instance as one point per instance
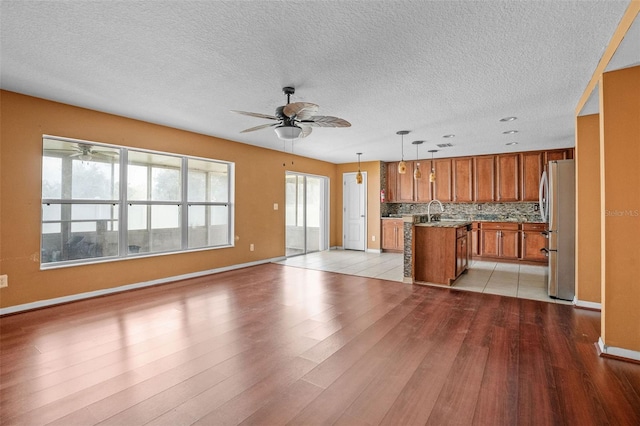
(84, 152)
(295, 120)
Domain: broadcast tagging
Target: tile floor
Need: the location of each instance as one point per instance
(506, 279)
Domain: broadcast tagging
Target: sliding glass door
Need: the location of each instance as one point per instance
(307, 221)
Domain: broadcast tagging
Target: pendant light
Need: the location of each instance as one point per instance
(402, 166)
(432, 175)
(417, 174)
(359, 174)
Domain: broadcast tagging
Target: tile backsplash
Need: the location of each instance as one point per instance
(507, 212)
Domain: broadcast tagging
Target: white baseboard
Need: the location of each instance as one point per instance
(587, 305)
(374, 251)
(618, 352)
(104, 292)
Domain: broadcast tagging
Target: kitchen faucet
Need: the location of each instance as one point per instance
(429, 209)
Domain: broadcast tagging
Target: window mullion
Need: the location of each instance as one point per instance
(123, 234)
(184, 208)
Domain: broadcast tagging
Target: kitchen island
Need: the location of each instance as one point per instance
(440, 251)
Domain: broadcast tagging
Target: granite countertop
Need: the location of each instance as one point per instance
(511, 220)
(445, 224)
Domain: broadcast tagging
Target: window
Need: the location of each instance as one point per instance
(105, 202)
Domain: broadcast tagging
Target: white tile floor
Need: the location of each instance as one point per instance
(507, 279)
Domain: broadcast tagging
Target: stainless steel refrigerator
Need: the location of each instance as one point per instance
(558, 206)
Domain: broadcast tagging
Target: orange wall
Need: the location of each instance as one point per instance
(620, 181)
(587, 156)
(259, 184)
(373, 200)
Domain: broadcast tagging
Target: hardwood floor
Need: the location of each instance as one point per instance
(273, 344)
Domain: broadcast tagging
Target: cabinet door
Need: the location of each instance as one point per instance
(490, 243)
(475, 242)
(399, 235)
(532, 242)
(557, 154)
(405, 184)
(423, 188)
(509, 244)
(484, 178)
(392, 182)
(507, 175)
(389, 234)
(531, 174)
(442, 186)
(463, 180)
(461, 255)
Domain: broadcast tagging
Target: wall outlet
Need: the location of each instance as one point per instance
(479, 206)
(275, 206)
(4, 281)
(536, 207)
(251, 247)
(373, 238)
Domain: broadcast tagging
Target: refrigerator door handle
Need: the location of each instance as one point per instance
(542, 196)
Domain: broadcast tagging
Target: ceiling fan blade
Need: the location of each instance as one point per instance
(306, 131)
(326, 121)
(256, 114)
(300, 110)
(262, 126)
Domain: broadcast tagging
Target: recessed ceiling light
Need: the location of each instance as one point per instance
(508, 118)
(449, 136)
(512, 143)
(510, 132)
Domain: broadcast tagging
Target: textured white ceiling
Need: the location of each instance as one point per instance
(432, 67)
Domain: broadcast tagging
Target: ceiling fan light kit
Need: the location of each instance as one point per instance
(295, 120)
(288, 132)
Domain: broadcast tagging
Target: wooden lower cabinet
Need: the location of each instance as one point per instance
(499, 239)
(462, 251)
(532, 241)
(393, 235)
(475, 239)
(509, 241)
(440, 254)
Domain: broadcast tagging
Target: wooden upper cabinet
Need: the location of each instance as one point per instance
(392, 182)
(422, 186)
(531, 173)
(405, 185)
(463, 180)
(557, 154)
(508, 177)
(442, 186)
(484, 178)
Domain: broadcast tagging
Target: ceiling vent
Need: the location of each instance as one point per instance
(445, 145)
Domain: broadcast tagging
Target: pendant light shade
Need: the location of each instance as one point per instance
(432, 175)
(359, 174)
(402, 166)
(417, 174)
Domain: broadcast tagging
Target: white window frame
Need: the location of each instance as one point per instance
(122, 204)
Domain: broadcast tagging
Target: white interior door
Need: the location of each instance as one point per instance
(354, 220)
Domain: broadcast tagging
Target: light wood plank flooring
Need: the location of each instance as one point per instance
(273, 344)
